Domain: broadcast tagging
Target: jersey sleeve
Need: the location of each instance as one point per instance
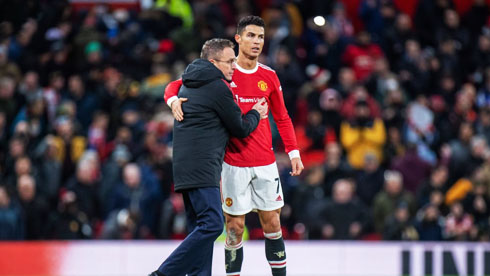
(282, 119)
(171, 92)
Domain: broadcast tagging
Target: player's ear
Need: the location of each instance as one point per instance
(237, 38)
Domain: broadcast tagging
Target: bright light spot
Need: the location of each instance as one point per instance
(319, 20)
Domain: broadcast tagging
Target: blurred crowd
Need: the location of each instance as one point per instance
(391, 107)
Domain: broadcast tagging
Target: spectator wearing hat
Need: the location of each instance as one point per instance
(359, 93)
(362, 135)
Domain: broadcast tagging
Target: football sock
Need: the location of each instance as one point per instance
(233, 259)
(275, 253)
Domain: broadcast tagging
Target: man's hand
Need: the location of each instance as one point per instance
(297, 166)
(177, 109)
(262, 107)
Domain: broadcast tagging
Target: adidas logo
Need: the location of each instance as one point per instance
(279, 198)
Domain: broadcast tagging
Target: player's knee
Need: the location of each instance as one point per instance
(272, 225)
(234, 232)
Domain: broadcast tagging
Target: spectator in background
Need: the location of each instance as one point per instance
(346, 82)
(7, 102)
(86, 102)
(309, 199)
(11, 223)
(399, 225)
(396, 36)
(458, 223)
(359, 93)
(377, 15)
(69, 223)
(435, 186)
(362, 135)
(413, 168)
(35, 210)
(428, 18)
(477, 203)
(23, 166)
(369, 179)
(391, 196)
(330, 104)
(85, 185)
(335, 167)
(362, 55)
(344, 217)
(49, 171)
(429, 224)
(139, 193)
(112, 176)
(460, 151)
(291, 77)
(69, 146)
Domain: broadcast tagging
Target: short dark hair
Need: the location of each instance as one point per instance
(249, 20)
(212, 47)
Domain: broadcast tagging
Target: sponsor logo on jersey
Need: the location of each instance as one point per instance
(228, 202)
(247, 100)
(262, 85)
(279, 198)
(232, 84)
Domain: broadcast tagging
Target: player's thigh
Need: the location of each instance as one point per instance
(266, 188)
(236, 190)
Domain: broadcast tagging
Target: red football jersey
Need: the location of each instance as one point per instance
(248, 87)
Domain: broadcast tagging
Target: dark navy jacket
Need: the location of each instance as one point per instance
(210, 116)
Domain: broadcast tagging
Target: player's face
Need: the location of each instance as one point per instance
(251, 40)
(226, 62)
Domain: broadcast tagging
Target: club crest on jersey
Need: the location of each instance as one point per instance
(228, 202)
(262, 85)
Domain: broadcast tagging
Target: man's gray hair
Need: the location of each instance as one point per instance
(213, 47)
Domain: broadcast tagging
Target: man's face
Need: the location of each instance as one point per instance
(251, 41)
(226, 62)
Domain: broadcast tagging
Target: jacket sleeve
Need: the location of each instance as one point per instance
(238, 125)
(171, 92)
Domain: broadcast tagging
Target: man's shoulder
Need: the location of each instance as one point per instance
(266, 69)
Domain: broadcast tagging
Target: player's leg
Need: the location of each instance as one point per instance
(236, 192)
(268, 199)
(275, 250)
(233, 244)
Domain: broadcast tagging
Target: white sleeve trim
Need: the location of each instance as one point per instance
(293, 154)
(171, 100)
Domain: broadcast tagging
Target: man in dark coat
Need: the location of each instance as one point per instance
(211, 115)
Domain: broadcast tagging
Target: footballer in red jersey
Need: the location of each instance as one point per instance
(250, 179)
